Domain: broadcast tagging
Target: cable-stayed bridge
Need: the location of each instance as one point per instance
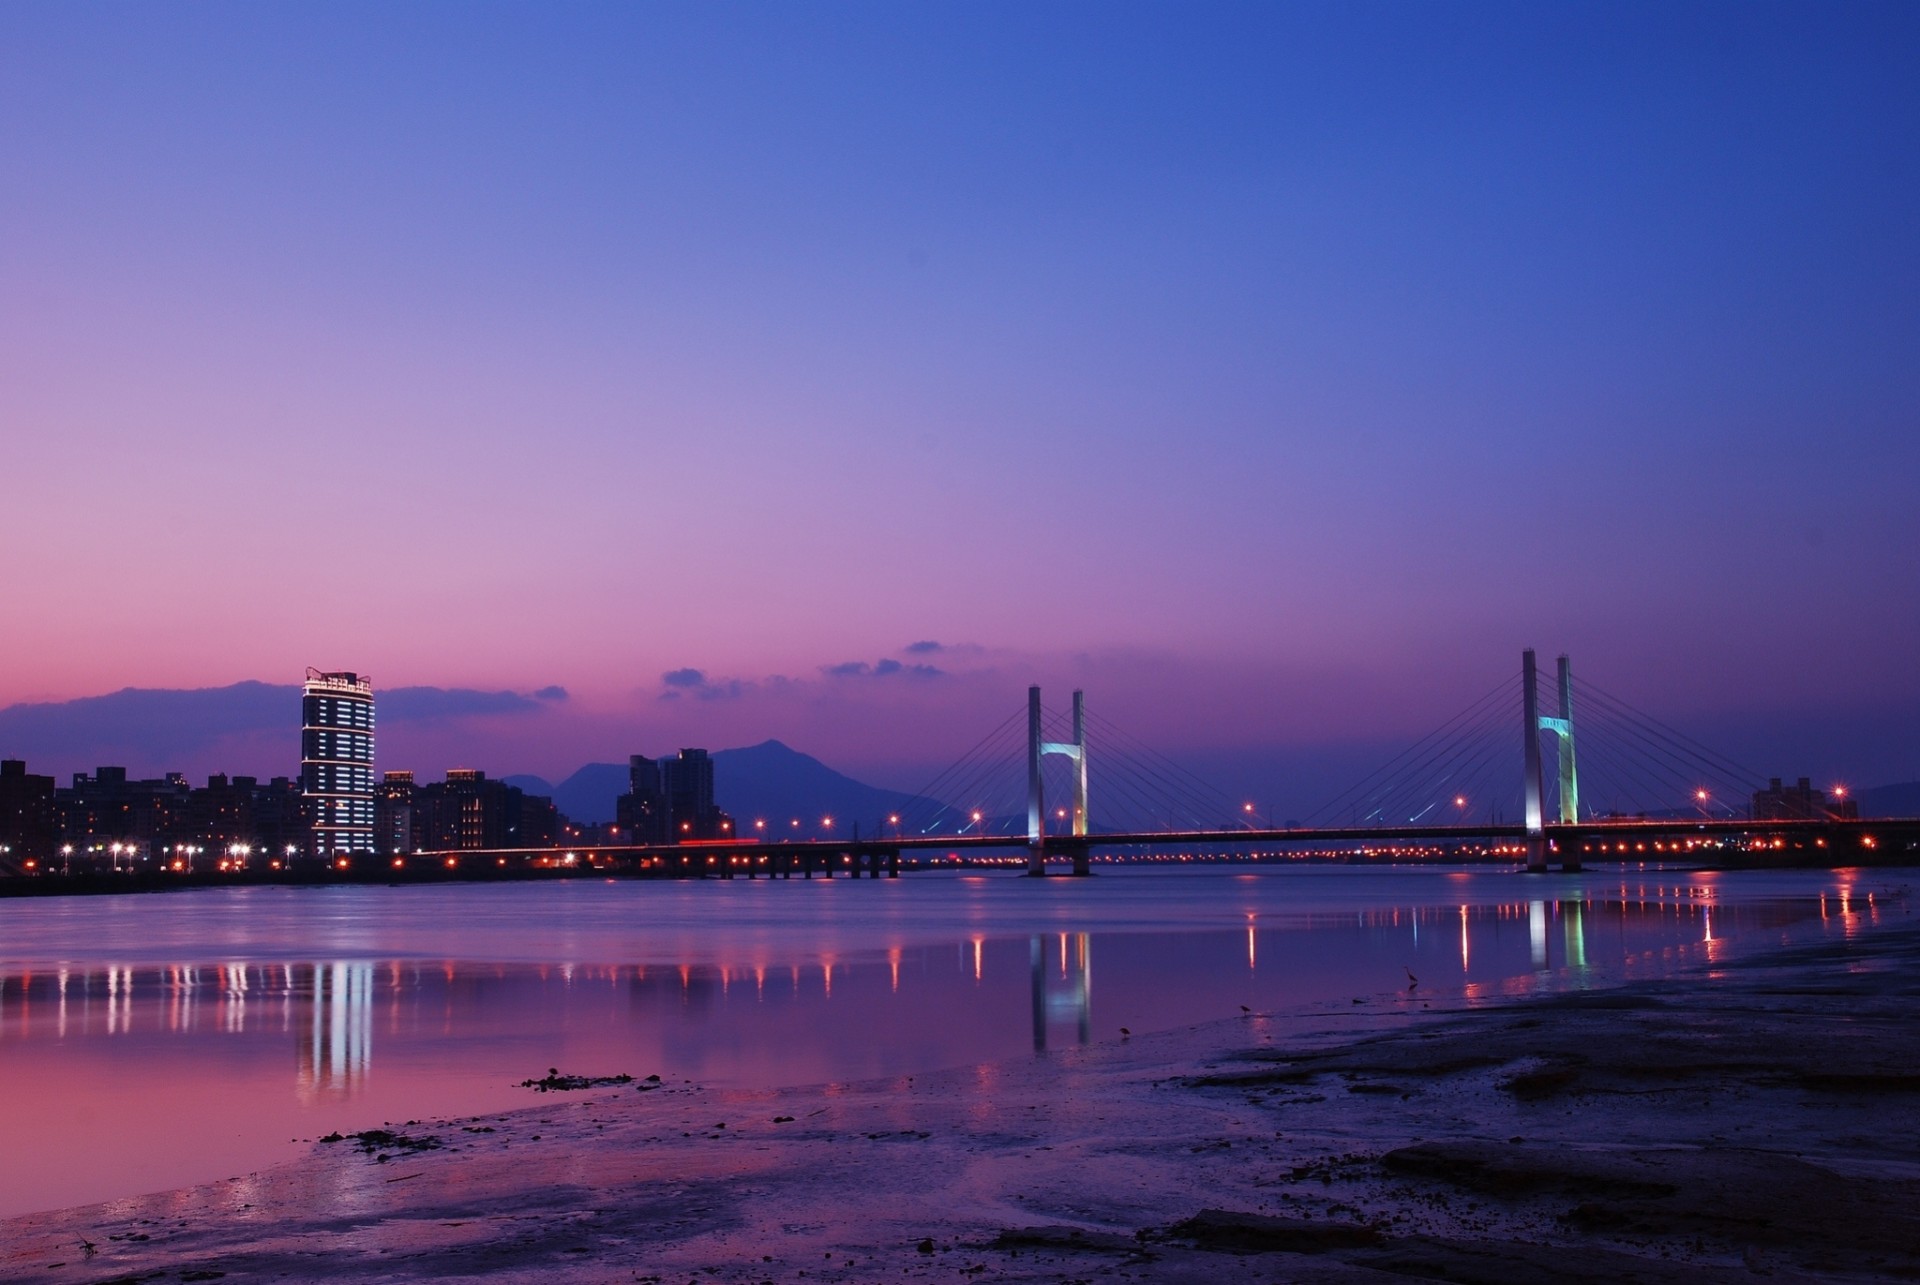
(1553, 770)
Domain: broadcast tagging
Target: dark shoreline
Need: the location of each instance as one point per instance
(107, 885)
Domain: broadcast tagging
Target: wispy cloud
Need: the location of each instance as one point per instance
(887, 668)
(695, 683)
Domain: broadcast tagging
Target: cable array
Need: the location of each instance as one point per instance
(989, 779)
(1632, 764)
(1467, 771)
(1134, 788)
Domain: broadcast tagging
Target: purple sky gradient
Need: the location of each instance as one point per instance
(1277, 372)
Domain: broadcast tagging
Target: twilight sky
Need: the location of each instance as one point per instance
(1278, 371)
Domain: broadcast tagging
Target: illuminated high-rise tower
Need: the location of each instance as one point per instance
(336, 763)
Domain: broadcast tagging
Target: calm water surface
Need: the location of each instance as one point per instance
(152, 1041)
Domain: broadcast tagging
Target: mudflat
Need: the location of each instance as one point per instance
(1759, 1117)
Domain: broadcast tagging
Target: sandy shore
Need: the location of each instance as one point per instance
(1759, 1119)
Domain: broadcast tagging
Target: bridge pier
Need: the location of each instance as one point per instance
(1037, 749)
(1534, 783)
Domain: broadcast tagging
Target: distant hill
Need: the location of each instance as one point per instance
(769, 781)
(1890, 800)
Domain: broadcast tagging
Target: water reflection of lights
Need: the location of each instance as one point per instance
(1537, 932)
(1576, 935)
(1072, 997)
(336, 1048)
(233, 981)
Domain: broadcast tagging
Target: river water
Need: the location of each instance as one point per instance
(147, 1042)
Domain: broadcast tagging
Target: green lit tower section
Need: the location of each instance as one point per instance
(336, 763)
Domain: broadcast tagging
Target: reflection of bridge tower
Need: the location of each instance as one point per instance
(1037, 749)
(1073, 998)
(337, 1045)
(1535, 785)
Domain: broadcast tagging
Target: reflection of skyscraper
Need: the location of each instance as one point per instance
(336, 1045)
(336, 762)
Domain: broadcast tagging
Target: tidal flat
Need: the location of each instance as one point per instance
(1752, 1116)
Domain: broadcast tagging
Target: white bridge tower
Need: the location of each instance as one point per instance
(1037, 748)
(1562, 728)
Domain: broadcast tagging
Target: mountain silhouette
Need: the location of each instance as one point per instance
(771, 782)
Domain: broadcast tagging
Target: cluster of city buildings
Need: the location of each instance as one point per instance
(334, 812)
(1802, 802)
(670, 800)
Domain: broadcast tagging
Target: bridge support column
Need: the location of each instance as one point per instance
(1561, 725)
(1569, 778)
(1036, 804)
(1562, 729)
(1532, 784)
(893, 864)
(1037, 748)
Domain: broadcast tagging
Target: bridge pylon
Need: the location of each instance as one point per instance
(1561, 726)
(1037, 749)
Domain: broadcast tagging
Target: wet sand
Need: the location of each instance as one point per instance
(1757, 1119)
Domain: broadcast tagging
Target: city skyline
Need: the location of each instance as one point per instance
(650, 377)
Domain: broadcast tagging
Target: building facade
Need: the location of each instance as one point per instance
(393, 819)
(640, 815)
(1800, 802)
(470, 813)
(336, 763)
(28, 823)
(686, 780)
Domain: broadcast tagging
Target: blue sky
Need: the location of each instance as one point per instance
(1231, 355)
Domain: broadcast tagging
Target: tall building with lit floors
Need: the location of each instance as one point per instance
(336, 763)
